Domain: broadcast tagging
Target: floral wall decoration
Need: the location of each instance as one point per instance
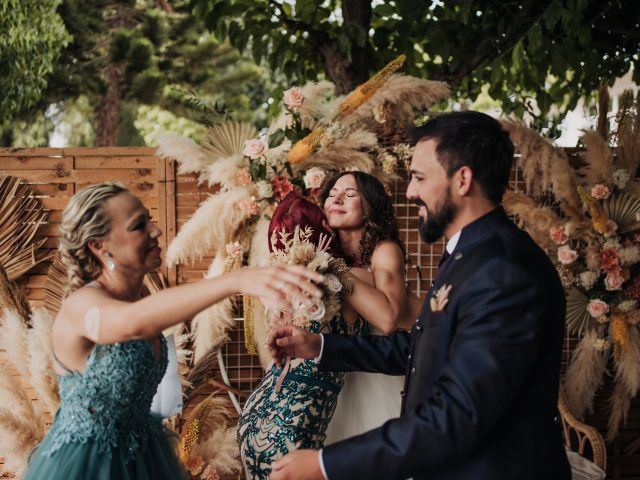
(587, 218)
(317, 134)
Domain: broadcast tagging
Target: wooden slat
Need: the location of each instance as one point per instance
(108, 162)
(110, 151)
(8, 164)
(30, 152)
(171, 214)
(88, 176)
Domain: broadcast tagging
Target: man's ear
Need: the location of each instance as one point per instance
(96, 247)
(463, 181)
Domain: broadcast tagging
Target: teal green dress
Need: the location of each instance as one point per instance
(274, 423)
(104, 429)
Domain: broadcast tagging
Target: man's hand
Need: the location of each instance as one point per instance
(298, 465)
(293, 342)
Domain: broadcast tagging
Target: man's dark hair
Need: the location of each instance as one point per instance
(475, 140)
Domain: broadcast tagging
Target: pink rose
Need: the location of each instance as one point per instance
(597, 308)
(253, 148)
(600, 191)
(558, 236)
(314, 177)
(249, 206)
(243, 177)
(613, 281)
(566, 255)
(294, 97)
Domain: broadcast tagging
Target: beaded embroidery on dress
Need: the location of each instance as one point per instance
(274, 423)
(104, 428)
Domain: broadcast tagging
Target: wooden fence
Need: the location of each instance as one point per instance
(55, 174)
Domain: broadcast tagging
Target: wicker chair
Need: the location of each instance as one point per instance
(582, 434)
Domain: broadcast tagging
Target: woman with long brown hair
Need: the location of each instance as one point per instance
(361, 214)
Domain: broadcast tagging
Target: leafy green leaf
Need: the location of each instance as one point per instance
(276, 138)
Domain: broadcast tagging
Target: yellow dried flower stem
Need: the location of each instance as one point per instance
(619, 334)
(189, 440)
(363, 92)
(249, 341)
(305, 147)
(598, 217)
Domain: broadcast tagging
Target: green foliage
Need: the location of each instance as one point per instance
(537, 57)
(160, 54)
(32, 36)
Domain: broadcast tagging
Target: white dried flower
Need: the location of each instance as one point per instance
(404, 151)
(265, 189)
(333, 283)
(588, 279)
(389, 163)
(627, 305)
(379, 114)
(335, 131)
(620, 178)
(629, 255)
(601, 345)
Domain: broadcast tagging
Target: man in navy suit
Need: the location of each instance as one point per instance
(482, 360)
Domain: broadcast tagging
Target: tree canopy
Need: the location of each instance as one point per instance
(33, 35)
(533, 54)
(122, 54)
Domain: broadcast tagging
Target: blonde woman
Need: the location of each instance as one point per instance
(109, 352)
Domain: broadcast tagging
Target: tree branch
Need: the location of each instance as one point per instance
(316, 37)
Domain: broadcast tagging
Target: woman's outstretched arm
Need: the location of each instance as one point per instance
(103, 319)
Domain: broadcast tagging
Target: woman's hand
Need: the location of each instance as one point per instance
(291, 284)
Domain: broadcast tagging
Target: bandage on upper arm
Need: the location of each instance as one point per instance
(92, 323)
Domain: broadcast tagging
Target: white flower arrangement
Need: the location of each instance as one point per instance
(299, 250)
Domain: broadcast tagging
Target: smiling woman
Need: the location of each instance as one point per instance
(108, 348)
(361, 213)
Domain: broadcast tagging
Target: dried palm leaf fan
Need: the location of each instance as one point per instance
(20, 216)
(624, 209)
(578, 321)
(227, 138)
(55, 285)
(13, 298)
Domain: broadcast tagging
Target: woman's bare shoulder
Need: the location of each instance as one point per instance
(387, 252)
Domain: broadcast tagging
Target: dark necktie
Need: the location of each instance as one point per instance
(444, 257)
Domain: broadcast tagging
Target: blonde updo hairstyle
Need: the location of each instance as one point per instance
(84, 219)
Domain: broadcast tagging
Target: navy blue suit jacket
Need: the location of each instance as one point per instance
(481, 388)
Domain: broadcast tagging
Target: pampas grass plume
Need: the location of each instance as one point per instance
(210, 227)
(13, 342)
(584, 375)
(190, 157)
(42, 375)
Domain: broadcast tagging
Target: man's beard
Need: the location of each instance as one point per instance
(433, 228)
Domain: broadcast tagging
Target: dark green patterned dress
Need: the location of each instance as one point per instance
(273, 424)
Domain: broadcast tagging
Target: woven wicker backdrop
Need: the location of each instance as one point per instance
(56, 174)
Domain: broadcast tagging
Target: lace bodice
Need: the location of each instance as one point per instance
(109, 402)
